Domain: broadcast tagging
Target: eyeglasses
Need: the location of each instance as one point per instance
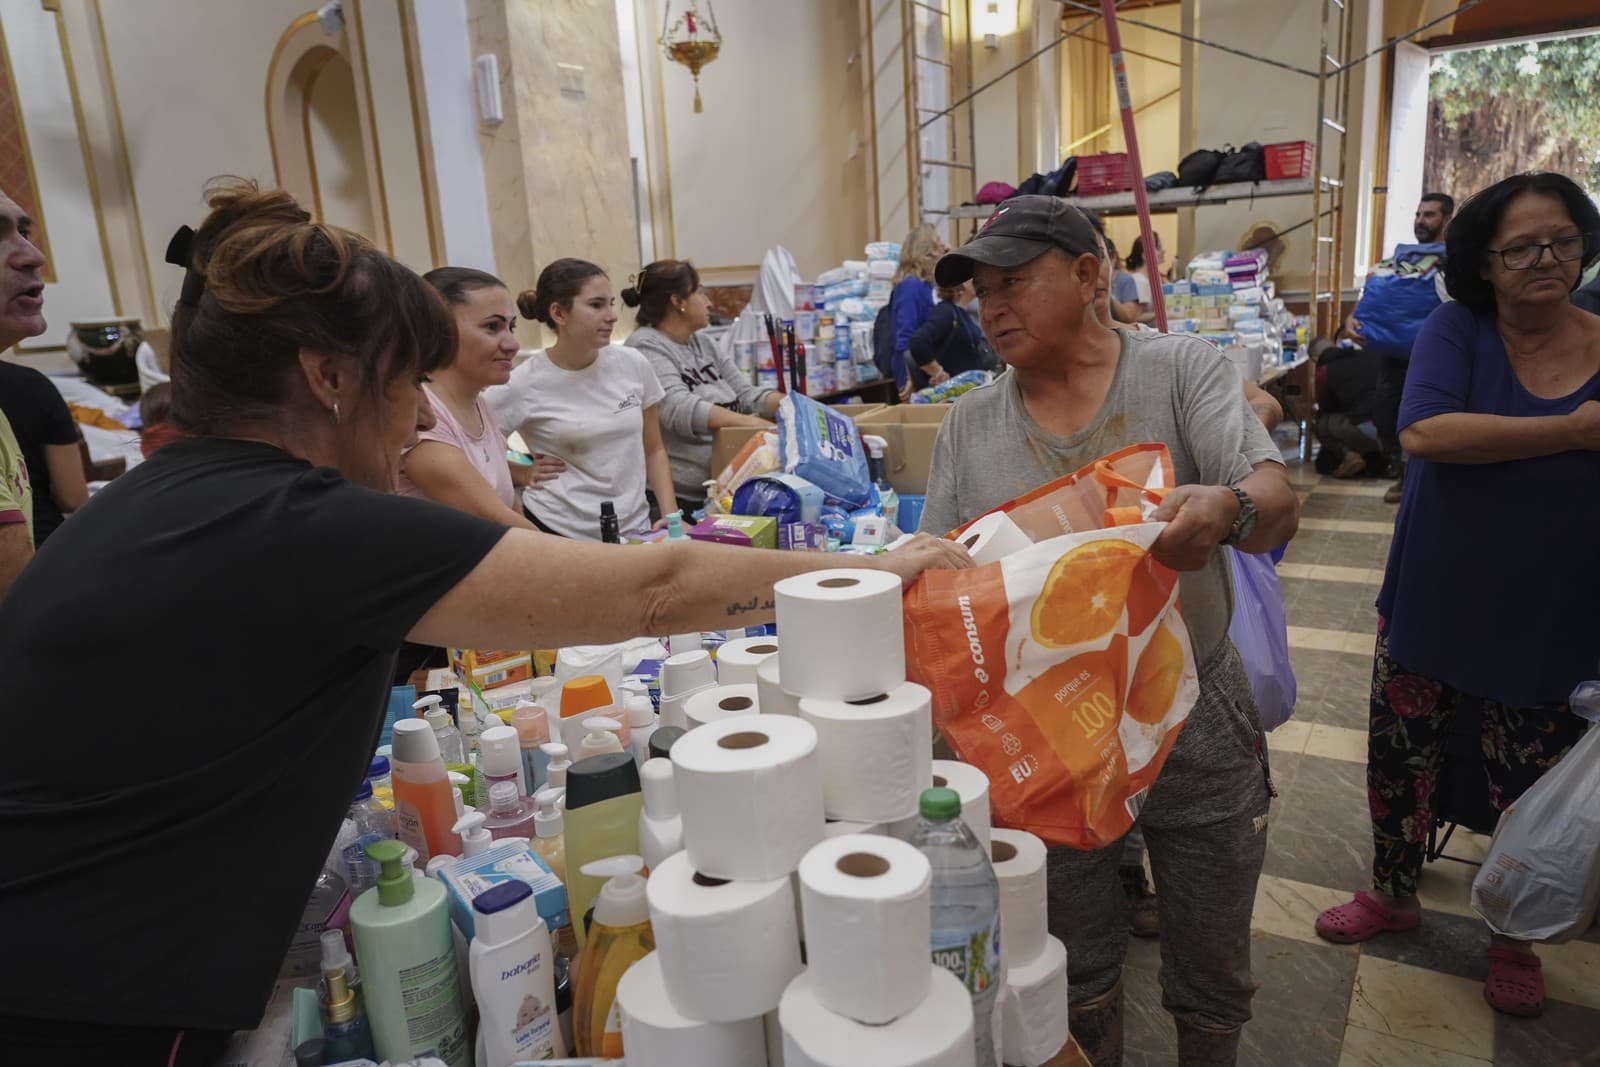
(1527, 257)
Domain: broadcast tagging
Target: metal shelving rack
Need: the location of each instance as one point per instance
(953, 82)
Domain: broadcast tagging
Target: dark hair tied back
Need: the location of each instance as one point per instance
(558, 286)
(656, 287)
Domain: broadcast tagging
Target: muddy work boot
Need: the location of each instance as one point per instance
(1143, 918)
(1097, 1027)
(1207, 1046)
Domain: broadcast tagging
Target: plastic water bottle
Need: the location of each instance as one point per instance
(965, 898)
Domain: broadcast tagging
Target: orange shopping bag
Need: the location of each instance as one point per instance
(1062, 669)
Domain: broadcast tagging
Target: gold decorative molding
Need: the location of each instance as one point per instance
(41, 238)
(312, 73)
(419, 105)
(81, 125)
(272, 66)
(376, 173)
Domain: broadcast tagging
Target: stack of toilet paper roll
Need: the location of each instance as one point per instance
(738, 660)
(1033, 1004)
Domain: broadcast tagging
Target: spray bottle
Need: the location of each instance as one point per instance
(888, 499)
(620, 938)
(660, 825)
(344, 1018)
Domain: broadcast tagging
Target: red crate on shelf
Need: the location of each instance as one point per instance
(1289, 160)
(1108, 172)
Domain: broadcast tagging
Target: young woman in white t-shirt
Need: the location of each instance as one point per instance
(590, 404)
(461, 461)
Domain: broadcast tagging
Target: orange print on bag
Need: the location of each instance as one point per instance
(1076, 705)
(1156, 678)
(1085, 593)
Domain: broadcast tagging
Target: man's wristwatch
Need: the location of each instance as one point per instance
(1245, 524)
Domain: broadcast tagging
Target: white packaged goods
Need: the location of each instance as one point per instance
(1019, 865)
(775, 700)
(737, 660)
(936, 1033)
(656, 1034)
(842, 634)
(1034, 1008)
(972, 785)
(721, 702)
(875, 753)
(994, 537)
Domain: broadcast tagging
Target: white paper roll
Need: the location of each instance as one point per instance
(994, 537)
(1019, 865)
(876, 754)
(840, 827)
(1035, 1013)
(749, 794)
(973, 786)
(936, 1032)
(656, 1034)
(842, 634)
(727, 949)
(721, 702)
(769, 1023)
(737, 660)
(775, 699)
(865, 902)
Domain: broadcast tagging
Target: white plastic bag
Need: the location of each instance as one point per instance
(1541, 878)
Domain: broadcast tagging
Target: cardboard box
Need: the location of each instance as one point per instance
(491, 668)
(910, 430)
(725, 443)
(751, 531)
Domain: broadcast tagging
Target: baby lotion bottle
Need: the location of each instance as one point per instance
(510, 814)
(660, 827)
(513, 978)
(603, 805)
(547, 825)
(620, 938)
(408, 962)
(425, 807)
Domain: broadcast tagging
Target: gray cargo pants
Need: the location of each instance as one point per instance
(1205, 824)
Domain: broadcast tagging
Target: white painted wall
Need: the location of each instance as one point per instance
(82, 289)
(444, 50)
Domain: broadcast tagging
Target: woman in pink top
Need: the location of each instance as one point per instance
(461, 461)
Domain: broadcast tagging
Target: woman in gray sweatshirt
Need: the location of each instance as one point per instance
(705, 389)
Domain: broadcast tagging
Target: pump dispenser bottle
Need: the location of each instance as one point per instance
(344, 1017)
(556, 771)
(510, 814)
(425, 807)
(547, 826)
(620, 938)
(600, 735)
(474, 838)
(451, 747)
(888, 499)
(408, 963)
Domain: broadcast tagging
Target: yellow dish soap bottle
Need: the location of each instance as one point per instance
(620, 937)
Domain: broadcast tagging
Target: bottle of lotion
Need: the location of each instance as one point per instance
(620, 938)
(660, 826)
(513, 979)
(408, 962)
(556, 770)
(603, 805)
(510, 814)
(582, 697)
(547, 827)
(424, 801)
(600, 735)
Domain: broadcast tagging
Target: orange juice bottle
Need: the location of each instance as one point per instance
(424, 806)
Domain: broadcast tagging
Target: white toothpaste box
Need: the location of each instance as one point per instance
(470, 876)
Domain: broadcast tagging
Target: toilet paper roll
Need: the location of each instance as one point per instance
(936, 1032)
(842, 634)
(727, 949)
(1019, 865)
(656, 1034)
(840, 827)
(737, 660)
(1035, 1015)
(865, 904)
(774, 1032)
(973, 787)
(721, 702)
(994, 537)
(750, 795)
(775, 699)
(876, 754)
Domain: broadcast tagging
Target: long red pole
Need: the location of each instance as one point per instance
(1141, 201)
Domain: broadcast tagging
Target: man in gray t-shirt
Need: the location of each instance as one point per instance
(1076, 391)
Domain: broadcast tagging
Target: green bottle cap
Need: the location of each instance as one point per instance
(938, 804)
(394, 883)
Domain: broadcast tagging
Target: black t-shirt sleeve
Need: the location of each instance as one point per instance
(57, 427)
(371, 564)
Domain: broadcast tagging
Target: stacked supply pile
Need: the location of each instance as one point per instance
(1033, 1006)
(1230, 300)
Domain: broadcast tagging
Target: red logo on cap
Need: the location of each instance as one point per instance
(990, 220)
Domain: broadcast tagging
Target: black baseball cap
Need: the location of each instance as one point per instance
(1021, 230)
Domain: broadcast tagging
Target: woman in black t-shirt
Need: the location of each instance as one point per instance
(153, 880)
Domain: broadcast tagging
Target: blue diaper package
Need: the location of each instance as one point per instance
(788, 498)
(822, 446)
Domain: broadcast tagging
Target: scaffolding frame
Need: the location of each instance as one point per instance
(920, 70)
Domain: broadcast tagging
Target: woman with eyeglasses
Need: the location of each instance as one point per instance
(1491, 590)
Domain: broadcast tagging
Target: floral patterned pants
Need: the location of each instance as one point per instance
(1410, 718)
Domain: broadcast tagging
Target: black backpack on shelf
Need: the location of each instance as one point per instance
(1199, 168)
(1248, 164)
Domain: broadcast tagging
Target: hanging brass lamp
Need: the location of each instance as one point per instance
(692, 40)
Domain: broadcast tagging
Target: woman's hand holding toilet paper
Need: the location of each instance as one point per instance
(924, 552)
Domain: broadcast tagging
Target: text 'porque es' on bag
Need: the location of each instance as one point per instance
(1061, 666)
(1541, 878)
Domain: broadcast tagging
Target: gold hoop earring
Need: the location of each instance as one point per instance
(336, 413)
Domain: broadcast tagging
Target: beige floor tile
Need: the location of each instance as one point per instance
(1335, 488)
(1290, 737)
(1290, 909)
(1572, 972)
(1368, 1048)
(1360, 526)
(1322, 572)
(1427, 1007)
(1317, 640)
(1337, 742)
